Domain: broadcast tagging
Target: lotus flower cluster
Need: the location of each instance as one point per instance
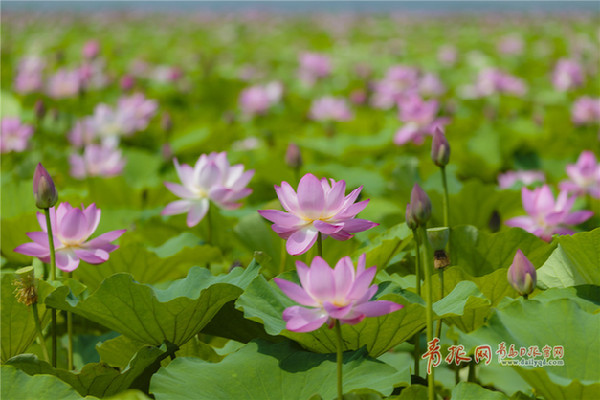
(132, 114)
(63, 84)
(547, 216)
(330, 109)
(492, 81)
(511, 44)
(567, 75)
(526, 177)
(314, 66)
(72, 228)
(97, 160)
(258, 99)
(211, 179)
(420, 120)
(343, 293)
(586, 110)
(399, 81)
(584, 176)
(521, 274)
(319, 206)
(14, 135)
(29, 78)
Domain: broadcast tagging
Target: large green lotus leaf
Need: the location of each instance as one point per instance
(118, 351)
(479, 253)
(16, 384)
(256, 235)
(561, 322)
(465, 306)
(18, 326)
(169, 261)
(153, 316)
(383, 247)
(98, 379)
(413, 392)
(472, 391)
(476, 202)
(574, 262)
(261, 370)
(586, 296)
(546, 387)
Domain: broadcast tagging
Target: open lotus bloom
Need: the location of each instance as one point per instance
(526, 177)
(63, 84)
(319, 206)
(314, 66)
(547, 217)
(97, 160)
(586, 110)
(343, 293)
(330, 109)
(568, 74)
(584, 176)
(211, 179)
(419, 118)
(14, 135)
(71, 228)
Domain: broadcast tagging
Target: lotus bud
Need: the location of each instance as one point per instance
(438, 237)
(25, 291)
(420, 205)
(39, 109)
(522, 275)
(127, 83)
(44, 191)
(166, 122)
(440, 149)
(293, 158)
(411, 222)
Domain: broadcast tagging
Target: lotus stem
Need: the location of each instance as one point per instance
(320, 245)
(38, 326)
(340, 360)
(417, 261)
(282, 258)
(53, 278)
(427, 266)
(439, 327)
(70, 335)
(446, 198)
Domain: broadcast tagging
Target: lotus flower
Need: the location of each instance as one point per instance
(584, 176)
(135, 112)
(314, 66)
(330, 109)
(568, 74)
(342, 293)
(44, 190)
(256, 100)
(71, 228)
(547, 217)
(14, 135)
(29, 75)
(399, 81)
(318, 207)
(521, 274)
(510, 178)
(586, 110)
(91, 49)
(211, 179)
(511, 44)
(63, 84)
(97, 160)
(491, 81)
(419, 117)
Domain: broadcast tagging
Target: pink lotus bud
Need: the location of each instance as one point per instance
(166, 123)
(440, 149)
(127, 83)
(293, 158)
(522, 275)
(39, 109)
(411, 222)
(91, 49)
(420, 205)
(44, 191)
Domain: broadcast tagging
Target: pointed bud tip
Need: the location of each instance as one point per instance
(44, 190)
(420, 204)
(440, 149)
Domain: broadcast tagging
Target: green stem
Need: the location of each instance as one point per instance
(320, 245)
(417, 352)
(297, 174)
(439, 327)
(340, 359)
(38, 326)
(446, 198)
(70, 335)
(53, 278)
(417, 261)
(209, 222)
(456, 375)
(282, 258)
(472, 373)
(525, 296)
(427, 266)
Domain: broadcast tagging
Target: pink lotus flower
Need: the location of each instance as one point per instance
(256, 100)
(431, 85)
(419, 117)
(545, 216)
(491, 81)
(586, 110)
(71, 228)
(314, 66)
(14, 135)
(211, 179)
(511, 44)
(97, 160)
(521, 274)
(91, 49)
(63, 84)
(584, 176)
(317, 207)
(29, 75)
(447, 55)
(92, 75)
(83, 132)
(399, 82)
(136, 112)
(510, 178)
(342, 293)
(568, 74)
(330, 109)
